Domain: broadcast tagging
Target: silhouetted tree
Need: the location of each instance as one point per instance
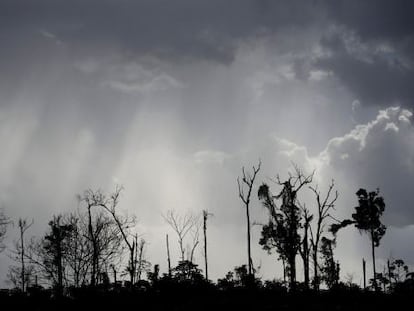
(239, 277)
(4, 222)
(103, 234)
(397, 272)
(330, 268)
(154, 275)
(124, 224)
(142, 265)
(78, 252)
(304, 250)
(20, 275)
(325, 205)
(205, 216)
(187, 271)
(55, 246)
(245, 186)
(367, 218)
(227, 282)
(187, 225)
(282, 231)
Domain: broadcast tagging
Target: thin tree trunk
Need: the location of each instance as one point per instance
(23, 277)
(248, 242)
(306, 256)
(205, 215)
(168, 255)
(373, 259)
(94, 252)
(59, 268)
(364, 272)
(389, 274)
(315, 271)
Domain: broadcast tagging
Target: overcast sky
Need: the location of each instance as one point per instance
(172, 98)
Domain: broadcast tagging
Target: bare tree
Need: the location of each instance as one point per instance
(103, 234)
(245, 186)
(185, 226)
(4, 222)
(124, 224)
(19, 275)
(142, 264)
(325, 205)
(78, 256)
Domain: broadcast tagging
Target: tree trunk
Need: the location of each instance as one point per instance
(373, 260)
(306, 257)
(364, 272)
(205, 241)
(292, 271)
(94, 250)
(168, 256)
(315, 270)
(23, 277)
(248, 242)
(59, 268)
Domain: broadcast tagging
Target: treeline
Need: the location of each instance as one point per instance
(97, 248)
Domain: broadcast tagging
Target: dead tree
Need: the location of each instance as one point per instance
(183, 226)
(142, 264)
(4, 222)
(205, 216)
(103, 234)
(20, 274)
(23, 227)
(325, 205)
(78, 249)
(245, 186)
(124, 224)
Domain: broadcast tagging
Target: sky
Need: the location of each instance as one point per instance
(171, 99)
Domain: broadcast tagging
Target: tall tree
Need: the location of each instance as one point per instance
(20, 274)
(367, 218)
(124, 224)
(245, 186)
(104, 237)
(324, 204)
(282, 230)
(304, 250)
(205, 216)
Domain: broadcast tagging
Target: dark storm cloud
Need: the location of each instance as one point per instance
(188, 30)
(172, 29)
(372, 50)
